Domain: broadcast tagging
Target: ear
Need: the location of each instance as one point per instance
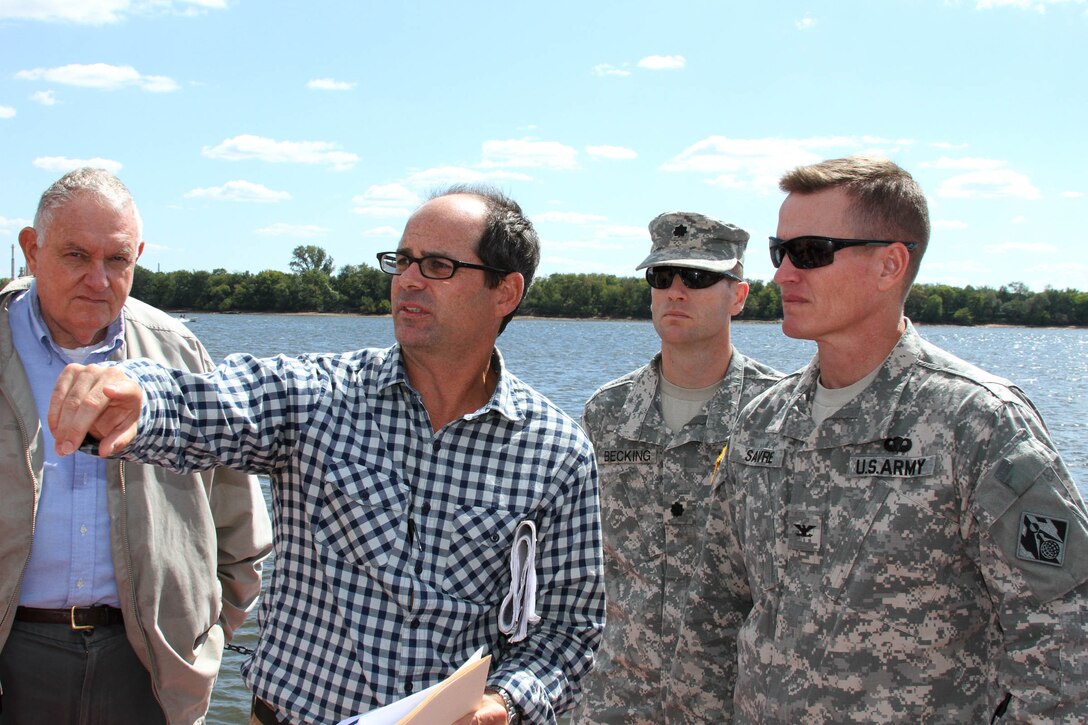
(894, 262)
(510, 290)
(740, 292)
(28, 240)
(140, 249)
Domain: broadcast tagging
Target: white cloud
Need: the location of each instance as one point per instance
(101, 76)
(383, 211)
(756, 163)
(210, 4)
(63, 164)
(46, 98)
(239, 191)
(1019, 219)
(623, 231)
(445, 175)
(386, 231)
(1072, 194)
(7, 112)
(988, 184)
(580, 264)
(329, 84)
(247, 146)
(611, 152)
(947, 146)
(1036, 5)
(91, 12)
(949, 224)
(568, 217)
(158, 84)
(391, 193)
(606, 69)
(806, 23)
(302, 231)
(663, 62)
(1040, 248)
(583, 245)
(100, 12)
(972, 164)
(9, 228)
(528, 153)
(392, 200)
(729, 181)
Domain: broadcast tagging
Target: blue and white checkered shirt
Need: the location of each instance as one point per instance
(393, 541)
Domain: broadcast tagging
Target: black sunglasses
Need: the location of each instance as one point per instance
(662, 277)
(431, 266)
(810, 252)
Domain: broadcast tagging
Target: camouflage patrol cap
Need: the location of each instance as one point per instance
(687, 239)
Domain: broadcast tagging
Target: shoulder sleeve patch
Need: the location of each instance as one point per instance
(1039, 520)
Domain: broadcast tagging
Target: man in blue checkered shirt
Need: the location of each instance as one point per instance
(399, 477)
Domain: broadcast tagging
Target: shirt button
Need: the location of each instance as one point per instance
(415, 623)
(408, 687)
(79, 583)
(419, 567)
(494, 538)
(83, 529)
(425, 508)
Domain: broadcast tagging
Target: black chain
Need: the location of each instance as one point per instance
(238, 648)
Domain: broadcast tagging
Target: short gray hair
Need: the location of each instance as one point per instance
(99, 182)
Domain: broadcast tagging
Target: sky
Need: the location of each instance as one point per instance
(245, 128)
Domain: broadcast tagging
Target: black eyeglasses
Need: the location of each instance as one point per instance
(431, 266)
(662, 277)
(811, 252)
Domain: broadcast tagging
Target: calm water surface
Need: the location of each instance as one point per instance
(567, 360)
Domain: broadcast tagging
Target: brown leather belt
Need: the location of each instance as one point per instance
(74, 617)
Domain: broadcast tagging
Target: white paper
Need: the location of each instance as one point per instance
(394, 712)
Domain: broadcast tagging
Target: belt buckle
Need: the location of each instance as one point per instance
(72, 619)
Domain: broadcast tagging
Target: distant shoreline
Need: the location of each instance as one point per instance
(196, 314)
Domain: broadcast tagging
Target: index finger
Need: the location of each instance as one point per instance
(96, 401)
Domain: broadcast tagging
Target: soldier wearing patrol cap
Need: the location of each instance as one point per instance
(657, 432)
(915, 548)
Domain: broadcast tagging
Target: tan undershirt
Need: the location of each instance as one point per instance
(680, 405)
(829, 400)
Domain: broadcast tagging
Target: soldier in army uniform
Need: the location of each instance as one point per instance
(913, 546)
(657, 432)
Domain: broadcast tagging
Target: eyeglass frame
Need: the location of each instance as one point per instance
(456, 264)
(837, 243)
(684, 272)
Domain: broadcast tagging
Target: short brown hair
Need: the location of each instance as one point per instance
(888, 202)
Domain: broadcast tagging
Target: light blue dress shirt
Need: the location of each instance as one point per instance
(71, 563)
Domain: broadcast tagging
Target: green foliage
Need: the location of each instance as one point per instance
(363, 289)
(311, 258)
(764, 302)
(588, 295)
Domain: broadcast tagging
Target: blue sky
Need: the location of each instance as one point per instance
(247, 127)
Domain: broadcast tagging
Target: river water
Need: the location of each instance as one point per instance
(568, 359)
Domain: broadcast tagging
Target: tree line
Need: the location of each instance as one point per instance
(315, 285)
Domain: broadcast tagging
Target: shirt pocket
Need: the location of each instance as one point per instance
(476, 553)
(630, 516)
(361, 517)
(902, 561)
